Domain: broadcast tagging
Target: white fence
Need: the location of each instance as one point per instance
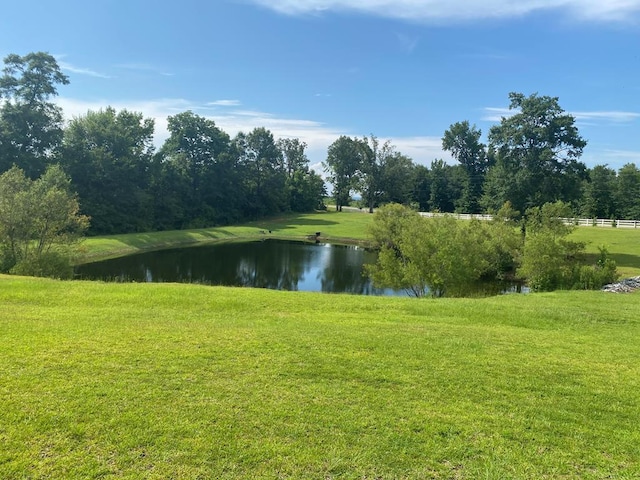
(583, 222)
(459, 216)
(602, 222)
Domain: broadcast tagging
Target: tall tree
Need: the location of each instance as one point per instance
(305, 188)
(263, 173)
(342, 165)
(293, 155)
(446, 186)
(463, 141)
(30, 124)
(397, 179)
(373, 157)
(537, 151)
(194, 190)
(628, 192)
(108, 156)
(599, 193)
(421, 188)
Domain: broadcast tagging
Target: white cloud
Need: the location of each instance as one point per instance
(407, 43)
(495, 114)
(144, 67)
(623, 154)
(615, 159)
(225, 103)
(460, 10)
(611, 116)
(80, 70)
(422, 150)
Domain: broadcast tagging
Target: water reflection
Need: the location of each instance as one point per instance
(280, 265)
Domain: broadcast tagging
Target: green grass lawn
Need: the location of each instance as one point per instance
(103, 380)
(183, 381)
(622, 243)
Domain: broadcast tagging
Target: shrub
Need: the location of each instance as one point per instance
(594, 277)
(53, 264)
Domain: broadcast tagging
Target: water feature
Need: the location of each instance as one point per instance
(274, 264)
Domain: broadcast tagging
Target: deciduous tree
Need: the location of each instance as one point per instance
(463, 141)
(537, 151)
(193, 182)
(108, 156)
(30, 124)
(39, 222)
(342, 165)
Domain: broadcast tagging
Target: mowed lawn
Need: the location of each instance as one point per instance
(182, 381)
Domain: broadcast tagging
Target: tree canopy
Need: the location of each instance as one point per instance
(39, 222)
(537, 150)
(31, 126)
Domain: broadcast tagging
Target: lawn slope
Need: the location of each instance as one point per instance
(183, 381)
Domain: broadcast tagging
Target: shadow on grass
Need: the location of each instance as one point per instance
(621, 259)
(292, 221)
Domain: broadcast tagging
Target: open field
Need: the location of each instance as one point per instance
(183, 381)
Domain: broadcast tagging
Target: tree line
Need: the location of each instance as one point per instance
(532, 158)
(200, 176)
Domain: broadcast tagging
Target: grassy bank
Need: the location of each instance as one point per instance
(333, 226)
(183, 381)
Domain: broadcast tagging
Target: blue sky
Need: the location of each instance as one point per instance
(316, 69)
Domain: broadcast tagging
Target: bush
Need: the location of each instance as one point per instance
(436, 256)
(594, 277)
(50, 264)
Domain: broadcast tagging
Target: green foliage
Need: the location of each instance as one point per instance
(435, 256)
(537, 151)
(306, 191)
(52, 264)
(39, 222)
(593, 277)
(107, 154)
(30, 125)
(463, 141)
(263, 173)
(342, 165)
(551, 261)
(599, 193)
(549, 218)
(628, 192)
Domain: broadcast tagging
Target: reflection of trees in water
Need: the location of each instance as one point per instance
(266, 264)
(275, 265)
(343, 272)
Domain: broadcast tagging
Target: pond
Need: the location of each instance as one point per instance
(274, 264)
